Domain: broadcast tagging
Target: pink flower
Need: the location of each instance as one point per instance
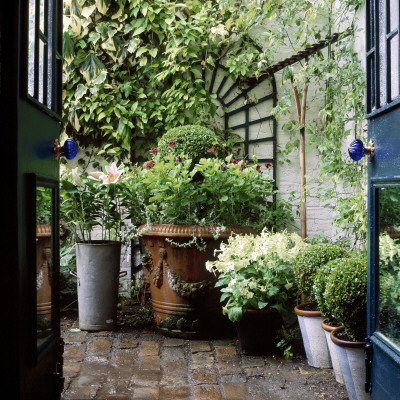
(258, 168)
(153, 150)
(172, 143)
(149, 164)
(268, 165)
(212, 150)
(112, 176)
(178, 159)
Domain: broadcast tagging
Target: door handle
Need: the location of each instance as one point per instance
(357, 150)
(69, 149)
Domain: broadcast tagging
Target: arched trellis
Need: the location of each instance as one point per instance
(248, 112)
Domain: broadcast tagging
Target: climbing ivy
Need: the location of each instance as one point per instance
(134, 69)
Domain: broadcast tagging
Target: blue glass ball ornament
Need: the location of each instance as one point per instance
(356, 150)
(70, 149)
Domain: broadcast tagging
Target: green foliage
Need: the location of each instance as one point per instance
(191, 140)
(171, 190)
(346, 296)
(256, 272)
(87, 203)
(135, 69)
(310, 260)
(321, 278)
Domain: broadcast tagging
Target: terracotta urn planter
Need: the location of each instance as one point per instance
(183, 296)
(256, 331)
(313, 336)
(352, 364)
(332, 351)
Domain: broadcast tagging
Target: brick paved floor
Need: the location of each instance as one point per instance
(143, 364)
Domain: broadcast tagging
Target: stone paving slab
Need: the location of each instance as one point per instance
(142, 364)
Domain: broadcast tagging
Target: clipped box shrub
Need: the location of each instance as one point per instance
(321, 278)
(309, 261)
(346, 295)
(191, 140)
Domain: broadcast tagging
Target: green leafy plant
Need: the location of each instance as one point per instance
(346, 296)
(93, 200)
(321, 278)
(192, 140)
(256, 272)
(308, 261)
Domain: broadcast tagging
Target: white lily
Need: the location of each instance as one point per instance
(113, 174)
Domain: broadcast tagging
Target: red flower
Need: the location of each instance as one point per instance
(153, 150)
(268, 165)
(243, 166)
(149, 164)
(172, 143)
(224, 167)
(258, 168)
(178, 159)
(212, 150)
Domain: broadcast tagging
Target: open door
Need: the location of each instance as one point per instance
(31, 118)
(383, 113)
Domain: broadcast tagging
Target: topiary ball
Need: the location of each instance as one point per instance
(346, 296)
(309, 260)
(191, 140)
(321, 278)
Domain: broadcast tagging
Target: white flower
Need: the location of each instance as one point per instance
(219, 30)
(112, 176)
(75, 176)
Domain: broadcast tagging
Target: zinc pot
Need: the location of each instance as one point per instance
(256, 331)
(185, 302)
(332, 351)
(352, 364)
(98, 265)
(313, 336)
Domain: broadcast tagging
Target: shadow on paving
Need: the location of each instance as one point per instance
(136, 362)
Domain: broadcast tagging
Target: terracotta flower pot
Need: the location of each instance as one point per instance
(352, 364)
(183, 296)
(256, 331)
(313, 336)
(332, 351)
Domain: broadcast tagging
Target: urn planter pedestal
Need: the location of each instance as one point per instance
(185, 302)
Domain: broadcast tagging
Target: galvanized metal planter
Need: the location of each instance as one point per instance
(183, 296)
(98, 266)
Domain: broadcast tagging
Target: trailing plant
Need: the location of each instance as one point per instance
(346, 296)
(256, 272)
(309, 261)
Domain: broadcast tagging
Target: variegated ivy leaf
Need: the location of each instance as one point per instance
(91, 67)
(101, 78)
(68, 48)
(88, 11)
(80, 91)
(102, 6)
(133, 44)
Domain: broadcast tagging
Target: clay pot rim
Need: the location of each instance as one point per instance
(98, 242)
(328, 328)
(172, 230)
(344, 343)
(304, 313)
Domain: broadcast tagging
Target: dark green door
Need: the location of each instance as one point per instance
(31, 108)
(383, 113)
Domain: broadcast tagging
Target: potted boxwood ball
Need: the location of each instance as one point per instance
(305, 267)
(257, 285)
(346, 297)
(191, 200)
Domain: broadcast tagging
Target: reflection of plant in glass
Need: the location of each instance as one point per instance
(43, 205)
(389, 211)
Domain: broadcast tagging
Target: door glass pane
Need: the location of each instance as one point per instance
(388, 322)
(31, 47)
(382, 52)
(43, 263)
(394, 67)
(394, 14)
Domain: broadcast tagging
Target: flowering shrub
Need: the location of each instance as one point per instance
(256, 272)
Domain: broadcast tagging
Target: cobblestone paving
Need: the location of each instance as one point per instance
(143, 364)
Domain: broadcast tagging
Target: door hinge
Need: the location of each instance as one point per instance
(368, 350)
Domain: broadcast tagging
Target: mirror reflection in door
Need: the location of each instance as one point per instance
(43, 263)
(388, 320)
